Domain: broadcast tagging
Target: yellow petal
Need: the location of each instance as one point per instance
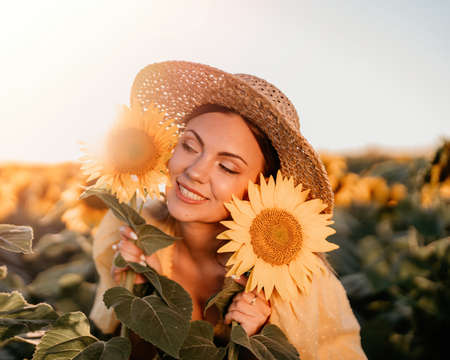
(244, 207)
(233, 269)
(234, 259)
(248, 260)
(231, 246)
(321, 246)
(283, 284)
(223, 235)
(264, 277)
(266, 194)
(309, 208)
(239, 217)
(254, 197)
(231, 225)
(251, 283)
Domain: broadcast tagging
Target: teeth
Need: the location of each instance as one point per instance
(189, 194)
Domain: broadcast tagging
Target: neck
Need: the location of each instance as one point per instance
(199, 239)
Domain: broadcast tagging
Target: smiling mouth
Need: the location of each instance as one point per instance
(189, 194)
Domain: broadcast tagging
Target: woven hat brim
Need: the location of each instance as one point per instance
(179, 87)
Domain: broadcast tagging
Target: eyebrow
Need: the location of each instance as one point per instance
(222, 153)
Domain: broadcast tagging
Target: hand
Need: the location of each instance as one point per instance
(250, 309)
(131, 253)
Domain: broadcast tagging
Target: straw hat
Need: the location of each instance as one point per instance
(178, 87)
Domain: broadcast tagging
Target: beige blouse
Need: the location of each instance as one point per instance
(320, 325)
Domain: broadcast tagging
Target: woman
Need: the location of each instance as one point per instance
(236, 126)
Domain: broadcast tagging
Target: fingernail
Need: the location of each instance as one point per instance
(122, 228)
(133, 235)
(235, 277)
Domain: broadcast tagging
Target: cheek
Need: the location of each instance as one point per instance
(224, 189)
(175, 162)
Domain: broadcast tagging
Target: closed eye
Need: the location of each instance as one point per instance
(188, 148)
(228, 170)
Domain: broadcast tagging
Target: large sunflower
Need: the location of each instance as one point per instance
(134, 154)
(275, 235)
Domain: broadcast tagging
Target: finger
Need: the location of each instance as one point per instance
(238, 316)
(119, 278)
(260, 295)
(246, 305)
(129, 246)
(128, 232)
(153, 261)
(129, 251)
(256, 305)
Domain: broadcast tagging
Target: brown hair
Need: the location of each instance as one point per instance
(271, 159)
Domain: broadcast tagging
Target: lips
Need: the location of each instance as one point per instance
(188, 194)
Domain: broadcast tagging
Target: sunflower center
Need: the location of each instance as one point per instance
(131, 151)
(276, 236)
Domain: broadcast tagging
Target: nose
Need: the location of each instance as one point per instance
(199, 170)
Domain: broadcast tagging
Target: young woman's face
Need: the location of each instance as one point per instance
(214, 158)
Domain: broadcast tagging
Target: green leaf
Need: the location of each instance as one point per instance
(232, 351)
(152, 239)
(45, 285)
(224, 297)
(122, 211)
(163, 325)
(3, 272)
(199, 344)
(276, 342)
(68, 337)
(117, 348)
(119, 261)
(170, 291)
(16, 238)
(269, 344)
(18, 317)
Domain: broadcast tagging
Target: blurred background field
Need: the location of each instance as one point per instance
(392, 218)
(360, 73)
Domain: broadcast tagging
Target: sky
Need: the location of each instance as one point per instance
(360, 73)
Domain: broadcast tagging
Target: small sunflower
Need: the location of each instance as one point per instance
(82, 218)
(275, 235)
(134, 154)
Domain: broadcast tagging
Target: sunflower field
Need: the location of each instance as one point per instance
(392, 221)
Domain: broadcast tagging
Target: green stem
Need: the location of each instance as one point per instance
(133, 201)
(233, 350)
(128, 284)
(141, 207)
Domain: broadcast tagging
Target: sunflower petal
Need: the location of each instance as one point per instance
(244, 207)
(254, 197)
(266, 195)
(248, 260)
(230, 246)
(265, 277)
(239, 217)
